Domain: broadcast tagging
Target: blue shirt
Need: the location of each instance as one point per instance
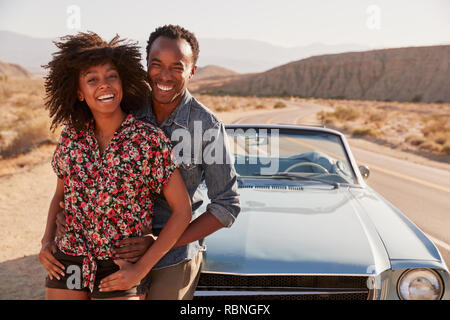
(203, 155)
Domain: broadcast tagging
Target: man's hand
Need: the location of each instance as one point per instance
(46, 258)
(127, 277)
(61, 222)
(132, 249)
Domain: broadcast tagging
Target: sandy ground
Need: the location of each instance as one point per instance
(24, 200)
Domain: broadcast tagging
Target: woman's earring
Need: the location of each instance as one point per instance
(81, 98)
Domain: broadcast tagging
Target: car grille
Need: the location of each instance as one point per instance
(282, 287)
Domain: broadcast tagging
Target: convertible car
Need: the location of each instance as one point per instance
(311, 228)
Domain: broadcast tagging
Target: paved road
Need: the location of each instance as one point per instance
(422, 193)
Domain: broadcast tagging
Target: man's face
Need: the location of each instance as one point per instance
(170, 67)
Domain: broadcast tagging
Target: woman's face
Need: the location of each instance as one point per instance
(100, 86)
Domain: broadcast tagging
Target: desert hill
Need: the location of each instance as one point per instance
(401, 74)
(212, 72)
(12, 70)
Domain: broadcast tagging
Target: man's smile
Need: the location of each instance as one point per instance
(163, 87)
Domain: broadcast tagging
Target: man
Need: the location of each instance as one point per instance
(172, 53)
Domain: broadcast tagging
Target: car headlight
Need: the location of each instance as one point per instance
(420, 284)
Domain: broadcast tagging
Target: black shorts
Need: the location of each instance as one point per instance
(73, 267)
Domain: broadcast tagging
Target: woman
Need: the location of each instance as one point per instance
(108, 166)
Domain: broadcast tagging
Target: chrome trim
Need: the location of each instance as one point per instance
(230, 291)
(292, 274)
(280, 289)
(282, 126)
(271, 293)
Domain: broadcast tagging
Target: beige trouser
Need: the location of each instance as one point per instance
(176, 282)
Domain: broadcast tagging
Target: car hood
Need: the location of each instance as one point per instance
(317, 230)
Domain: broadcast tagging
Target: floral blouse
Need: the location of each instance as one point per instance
(107, 196)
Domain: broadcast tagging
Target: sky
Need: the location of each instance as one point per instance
(288, 23)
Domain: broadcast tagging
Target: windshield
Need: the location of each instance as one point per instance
(299, 155)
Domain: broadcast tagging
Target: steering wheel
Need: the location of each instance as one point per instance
(306, 164)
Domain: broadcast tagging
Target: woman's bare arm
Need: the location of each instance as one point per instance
(53, 266)
(178, 199)
(50, 229)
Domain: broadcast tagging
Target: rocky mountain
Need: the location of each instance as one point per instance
(12, 70)
(243, 56)
(401, 74)
(248, 56)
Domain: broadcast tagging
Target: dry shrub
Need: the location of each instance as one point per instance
(25, 123)
(430, 146)
(5, 93)
(325, 118)
(442, 137)
(260, 106)
(377, 116)
(378, 124)
(401, 129)
(437, 132)
(27, 137)
(364, 132)
(415, 123)
(321, 115)
(446, 148)
(343, 114)
(346, 113)
(232, 103)
(279, 105)
(436, 126)
(349, 127)
(223, 108)
(415, 140)
(24, 99)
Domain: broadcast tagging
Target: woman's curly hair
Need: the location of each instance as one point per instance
(76, 54)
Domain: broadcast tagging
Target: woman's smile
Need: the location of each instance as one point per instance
(106, 98)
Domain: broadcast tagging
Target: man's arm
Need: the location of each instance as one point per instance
(134, 248)
(220, 177)
(200, 228)
(221, 181)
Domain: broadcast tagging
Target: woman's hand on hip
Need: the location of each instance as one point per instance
(54, 268)
(127, 277)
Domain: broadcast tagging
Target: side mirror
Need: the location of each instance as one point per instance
(365, 171)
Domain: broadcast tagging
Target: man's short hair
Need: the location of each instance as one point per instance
(175, 32)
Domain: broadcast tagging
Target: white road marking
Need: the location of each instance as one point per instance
(438, 242)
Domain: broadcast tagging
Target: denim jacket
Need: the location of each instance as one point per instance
(202, 153)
